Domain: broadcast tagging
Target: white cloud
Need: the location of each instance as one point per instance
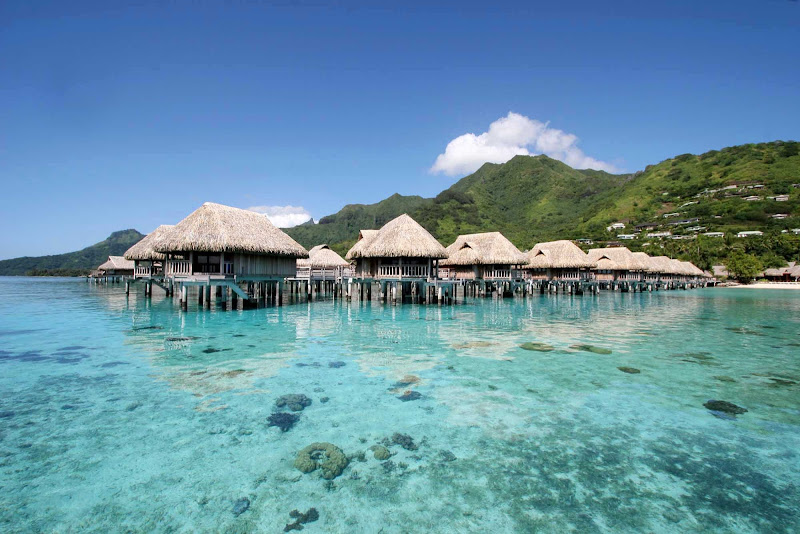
(510, 136)
(283, 216)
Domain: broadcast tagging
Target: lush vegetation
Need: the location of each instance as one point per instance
(73, 263)
(532, 199)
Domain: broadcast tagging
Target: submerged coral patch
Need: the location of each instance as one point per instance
(724, 407)
(326, 456)
(629, 370)
(294, 401)
(590, 348)
(336, 365)
(410, 395)
(241, 506)
(300, 519)
(380, 452)
(405, 441)
(539, 347)
(283, 420)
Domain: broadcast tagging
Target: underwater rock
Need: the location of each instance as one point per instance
(241, 506)
(406, 381)
(447, 456)
(410, 395)
(132, 406)
(212, 350)
(590, 348)
(328, 457)
(324, 400)
(724, 407)
(283, 420)
(336, 365)
(539, 347)
(629, 370)
(492, 387)
(295, 402)
(473, 345)
(725, 378)
(300, 519)
(778, 382)
(405, 441)
(380, 452)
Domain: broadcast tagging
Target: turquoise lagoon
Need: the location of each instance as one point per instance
(123, 414)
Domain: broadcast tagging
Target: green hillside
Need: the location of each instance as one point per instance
(532, 199)
(72, 263)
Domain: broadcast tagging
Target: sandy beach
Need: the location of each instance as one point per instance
(767, 285)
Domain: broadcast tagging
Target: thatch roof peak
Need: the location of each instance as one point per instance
(217, 228)
(322, 257)
(143, 249)
(402, 237)
(116, 262)
(621, 257)
(488, 248)
(364, 237)
(561, 254)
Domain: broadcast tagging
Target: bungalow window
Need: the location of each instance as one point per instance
(207, 264)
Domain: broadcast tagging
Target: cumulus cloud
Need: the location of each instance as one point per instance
(283, 216)
(511, 136)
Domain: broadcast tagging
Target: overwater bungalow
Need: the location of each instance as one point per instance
(559, 260)
(323, 264)
(618, 267)
(147, 262)
(486, 256)
(114, 269)
(402, 255)
(402, 249)
(232, 249)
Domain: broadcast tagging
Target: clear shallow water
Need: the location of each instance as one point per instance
(106, 424)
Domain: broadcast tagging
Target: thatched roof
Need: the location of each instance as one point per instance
(117, 263)
(677, 267)
(622, 258)
(322, 257)
(660, 264)
(402, 237)
(364, 237)
(561, 254)
(644, 258)
(143, 250)
(490, 248)
(217, 228)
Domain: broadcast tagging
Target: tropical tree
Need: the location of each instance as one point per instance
(743, 267)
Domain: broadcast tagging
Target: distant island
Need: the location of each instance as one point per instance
(690, 207)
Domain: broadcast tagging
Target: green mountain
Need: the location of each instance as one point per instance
(532, 199)
(72, 263)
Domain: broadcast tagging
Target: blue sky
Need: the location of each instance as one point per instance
(121, 115)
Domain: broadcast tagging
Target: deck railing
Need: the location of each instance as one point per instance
(403, 271)
(141, 270)
(179, 267)
(497, 274)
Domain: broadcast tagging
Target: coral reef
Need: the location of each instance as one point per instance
(295, 402)
(405, 441)
(300, 519)
(380, 452)
(724, 407)
(447, 456)
(410, 395)
(590, 348)
(540, 347)
(283, 420)
(328, 457)
(241, 506)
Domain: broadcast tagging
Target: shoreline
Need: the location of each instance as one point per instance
(765, 285)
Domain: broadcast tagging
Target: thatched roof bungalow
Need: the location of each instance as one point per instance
(322, 264)
(558, 260)
(617, 263)
(148, 262)
(485, 256)
(228, 242)
(116, 266)
(400, 249)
